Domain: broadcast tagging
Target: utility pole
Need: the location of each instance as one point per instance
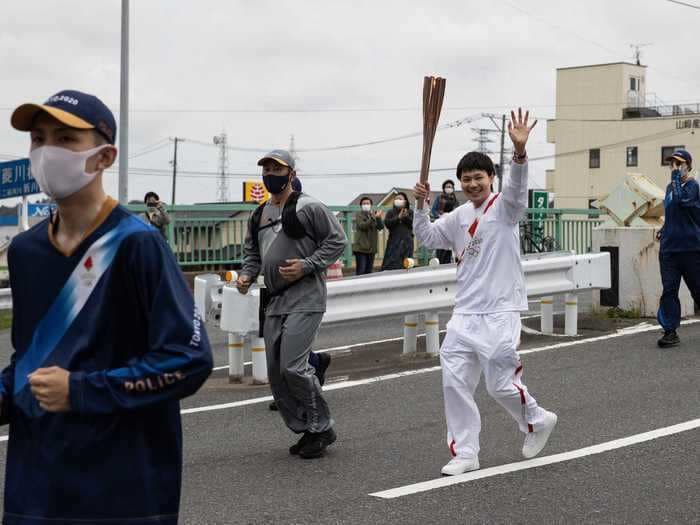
(174, 163)
(504, 151)
(222, 183)
(123, 189)
(293, 149)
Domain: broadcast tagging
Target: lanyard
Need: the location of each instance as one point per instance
(475, 224)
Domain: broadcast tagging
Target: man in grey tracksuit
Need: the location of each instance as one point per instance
(293, 255)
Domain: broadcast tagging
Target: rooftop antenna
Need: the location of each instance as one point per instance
(637, 55)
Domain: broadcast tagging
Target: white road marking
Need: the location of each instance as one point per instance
(347, 348)
(537, 462)
(642, 327)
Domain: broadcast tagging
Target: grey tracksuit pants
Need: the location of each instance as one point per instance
(295, 387)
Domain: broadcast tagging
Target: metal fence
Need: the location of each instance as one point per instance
(211, 236)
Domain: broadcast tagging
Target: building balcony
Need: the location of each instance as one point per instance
(676, 110)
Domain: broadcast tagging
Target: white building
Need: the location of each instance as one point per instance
(607, 125)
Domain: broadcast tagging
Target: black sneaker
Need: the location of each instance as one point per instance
(670, 338)
(317, 444)
(305, 438)
(324, 361)
(273, 406)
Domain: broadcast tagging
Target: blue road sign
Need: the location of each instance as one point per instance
(16, 179)
(40, 210)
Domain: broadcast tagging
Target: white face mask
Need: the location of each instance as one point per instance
(399, 203)
(449, 190)
(60, 172)
(366, 207)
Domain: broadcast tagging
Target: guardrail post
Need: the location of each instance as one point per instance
(432, 333)
(571, 314)
(410, 334)
(235, 358)
(547, 315)
(257, 351)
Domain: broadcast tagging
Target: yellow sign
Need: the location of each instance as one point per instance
(254, 191)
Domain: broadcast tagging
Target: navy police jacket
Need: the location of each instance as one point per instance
(119, 316)
(681, 230)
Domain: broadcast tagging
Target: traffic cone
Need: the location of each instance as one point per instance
(335, 271)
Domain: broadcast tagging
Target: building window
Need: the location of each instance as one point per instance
(632, 156)
(634, 83)
(667, 151)
(594, 158)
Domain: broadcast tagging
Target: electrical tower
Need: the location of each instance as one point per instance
(483, 140)
(221, 181)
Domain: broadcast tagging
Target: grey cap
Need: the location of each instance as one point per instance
(280, 156)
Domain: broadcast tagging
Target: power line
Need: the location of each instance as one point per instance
(449, 125)
(151, 148)
(213, 175)
(683, 3)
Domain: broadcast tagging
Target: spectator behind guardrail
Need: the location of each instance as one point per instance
(156, 214)
(106, 336)
(679, 254)
(445, 203)
(399, 222)
(367, 224)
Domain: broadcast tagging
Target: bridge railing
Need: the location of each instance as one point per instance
(211, 236)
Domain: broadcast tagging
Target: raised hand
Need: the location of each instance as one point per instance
(519, 131)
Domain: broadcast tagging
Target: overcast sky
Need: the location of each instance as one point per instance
(331, 73)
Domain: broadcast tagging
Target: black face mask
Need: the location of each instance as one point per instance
(275, 184)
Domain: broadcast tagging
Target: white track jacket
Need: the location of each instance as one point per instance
(486, 243)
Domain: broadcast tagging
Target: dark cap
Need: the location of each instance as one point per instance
(681, 155)
(280, 156)
(72, 108)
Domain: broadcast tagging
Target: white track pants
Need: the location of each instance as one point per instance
(483, 342)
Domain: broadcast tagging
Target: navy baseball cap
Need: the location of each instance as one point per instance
(74, 109)
(280, 156)
(681, 155)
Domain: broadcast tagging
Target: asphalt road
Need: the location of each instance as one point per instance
(391, 434)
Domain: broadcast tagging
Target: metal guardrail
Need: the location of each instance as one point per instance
(211, 236)
(408, 293)
(5, 299)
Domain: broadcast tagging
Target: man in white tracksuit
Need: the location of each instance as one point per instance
(484, 332)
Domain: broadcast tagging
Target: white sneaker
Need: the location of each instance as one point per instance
(535, 441)
(460, 466)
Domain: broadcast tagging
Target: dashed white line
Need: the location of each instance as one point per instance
(642, 327)
(537, 462)
(337, 349)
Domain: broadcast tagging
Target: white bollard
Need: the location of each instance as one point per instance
(432, 333)
(257, 351)
(547, 315)
(410, 334)
(571, 314)
(235, 358)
